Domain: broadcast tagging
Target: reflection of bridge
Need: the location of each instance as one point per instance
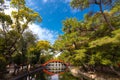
(55, 66)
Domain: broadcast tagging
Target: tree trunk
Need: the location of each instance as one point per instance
(113, 69)
(106, 20)
(85, 67)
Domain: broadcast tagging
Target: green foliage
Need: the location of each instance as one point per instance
(5, 18)
(90, 42)
(19, 59)
(42, 45)
(79, 54)
(84, 4)
(1, 1)
(2, 63)
(18, 3)
(15, 40)
(80, 4)
(106, 62)
(67, 76)
(45, 57)
(23, 16)
(28, 40)
(95, 58)
(35, 52)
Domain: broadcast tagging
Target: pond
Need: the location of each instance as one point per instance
(63, 76)
(55, 70)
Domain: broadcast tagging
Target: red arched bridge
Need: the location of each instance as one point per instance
(50, 67)
(55, 67)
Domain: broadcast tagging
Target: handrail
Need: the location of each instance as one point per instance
(27, 73)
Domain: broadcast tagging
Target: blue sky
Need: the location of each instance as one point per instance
(53, 12)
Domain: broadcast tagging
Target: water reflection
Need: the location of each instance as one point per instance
(67, 76)
(54, 77)
(64, 76)
(55, 67)
(43, 76)
(56, 71)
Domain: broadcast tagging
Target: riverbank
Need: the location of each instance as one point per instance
(14, 74)
(75, 71)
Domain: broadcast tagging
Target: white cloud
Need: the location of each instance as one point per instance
(73, 11)
(51, 1)
(9, 11)
(30, 2)
(37, 8)
(45, 1)
(43, 33)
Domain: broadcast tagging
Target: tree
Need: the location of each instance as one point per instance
(3, 63)
(13, 32)
(23, 16)
(89, 43)
(34, 52)
(83, 4)
(2, 1)
(13, 35)
(46, 55)
(5, 22)
(27, 40)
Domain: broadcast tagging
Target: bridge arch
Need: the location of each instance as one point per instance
(55, 67)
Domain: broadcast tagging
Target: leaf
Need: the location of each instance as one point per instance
(106, 62)
(80, 54)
